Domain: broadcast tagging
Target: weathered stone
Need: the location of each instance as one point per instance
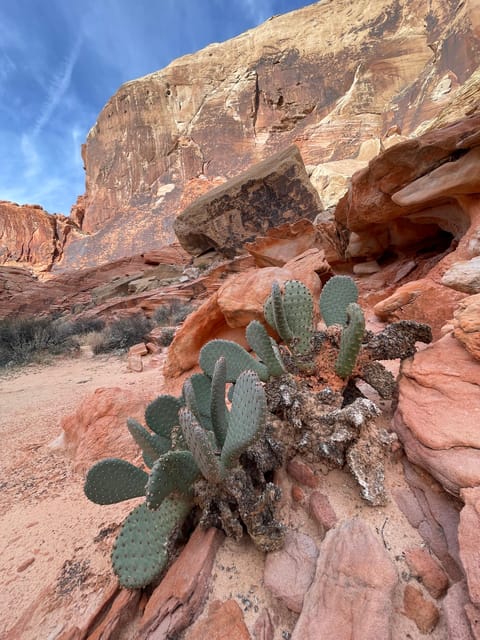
(435, 514)
(322, 511)
(302, 472)
(270, 193)
(120, 613)
(466, 324)
(289, 572)
(31, 236)
(351, 594)
(422, 611)
(464, 276)
(97, 428)
(263, 628)
(427, 570)
(439, 393)
(224, 621)
(134, 362)
(453, 607)
(139, 349)
(177, 600)
(469, 541)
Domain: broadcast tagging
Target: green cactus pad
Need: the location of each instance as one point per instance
(247, 418)
(140, 554)
(298, 304)
(237, 358)
(152, 445)
(198, 396)
(113, 480)
(218, 408)
(162, 414)
(261, 343)
(279, 314)
(351, 341)
(336, 295)
(174, 472)
(201, 446)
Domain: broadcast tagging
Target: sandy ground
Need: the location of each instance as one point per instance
(55, 544)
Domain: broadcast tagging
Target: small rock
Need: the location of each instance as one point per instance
(428, 571)
(322, 511)
(298, 494)
(138, 349)
(152, 347)
(366, 268)
(423, 612)
(224, 621)
(464, 276)
(134, 362)
(289, 571)
(25, 564)
(302, 473)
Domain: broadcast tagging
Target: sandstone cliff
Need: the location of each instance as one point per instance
(31, 236)
(330, 78)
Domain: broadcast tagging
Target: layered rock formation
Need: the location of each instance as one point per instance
(328, 85)
(31, 236)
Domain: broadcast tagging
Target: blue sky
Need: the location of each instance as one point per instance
(61, 60)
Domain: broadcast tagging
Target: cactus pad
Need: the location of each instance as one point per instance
(237, 359)
(174, 472)
(218, 409)
(351, 341)
(261, 343)
(140, 552)
(197, 393)
(298, 303)
(336, 295)
(201, 446)
(113, 480)
(162, 414)
(152, 445)
(247, 417)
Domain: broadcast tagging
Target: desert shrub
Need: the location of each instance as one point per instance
(80, 326)
(123, 333)
(172, 313)
(23, 340)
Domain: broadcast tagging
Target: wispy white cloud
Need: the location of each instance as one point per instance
(258, 10)
(58, 87)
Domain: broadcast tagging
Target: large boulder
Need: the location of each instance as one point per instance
(268, 194)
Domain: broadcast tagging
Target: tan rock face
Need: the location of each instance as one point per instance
(326, 84)
(466, 323)
(31, 236)
(469, 541)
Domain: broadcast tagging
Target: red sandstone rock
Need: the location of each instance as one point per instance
(176, 602)
(282, 243)
(264, 629)
(134, 362)
(302, 472)
(322, 512)
(423, 612)
(466, 324)
(351, 594)
(469, 541)
(139, 349)
(121, 612)
(439, 393)
(29, 235)
(289, 572)
(97, 429)
(224, 621)
(427, 570)
(453, 606)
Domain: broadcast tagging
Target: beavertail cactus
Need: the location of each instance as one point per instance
(336, 295)
(351, 340)
(173, 473)
(291, 315)
(113, 480)
(236, 357)
(141, 553)
(264, 347)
